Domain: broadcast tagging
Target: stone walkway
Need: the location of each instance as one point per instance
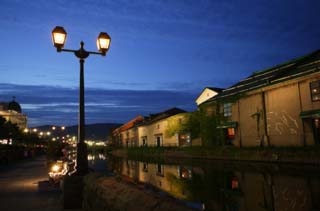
(24, 186)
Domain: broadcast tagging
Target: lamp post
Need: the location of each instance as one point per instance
(59, 36)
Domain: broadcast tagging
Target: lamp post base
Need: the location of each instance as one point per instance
(72, 191)
(82, 160)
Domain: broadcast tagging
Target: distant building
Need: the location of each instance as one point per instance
(126, 135)
(279, 106)
(161, 129)
(12, 112)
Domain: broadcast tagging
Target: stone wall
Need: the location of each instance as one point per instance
(109, 193)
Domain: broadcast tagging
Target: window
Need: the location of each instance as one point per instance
(185, 173)
(145, 167)
(315, 90)
(184, 139)
(231, 133)
(227, 110)
(144, 141)
(160, 170)
(158, 139)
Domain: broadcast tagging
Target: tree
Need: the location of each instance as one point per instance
(8, 130)
(203, 124)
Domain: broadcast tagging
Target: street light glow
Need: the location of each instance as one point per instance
(103, 42)
(59, 36)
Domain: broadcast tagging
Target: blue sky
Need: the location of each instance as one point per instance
(159, 48)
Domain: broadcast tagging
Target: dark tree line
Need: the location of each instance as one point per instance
(8, 131)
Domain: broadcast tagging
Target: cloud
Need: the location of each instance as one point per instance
(59, 105)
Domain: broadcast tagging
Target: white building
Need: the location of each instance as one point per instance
(12, 112)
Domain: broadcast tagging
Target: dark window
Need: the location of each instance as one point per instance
(158, 141)
(315, 90)
(160, 170)
(144, 141)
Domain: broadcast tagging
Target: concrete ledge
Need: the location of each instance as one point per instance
(72, 192)
(107, 193)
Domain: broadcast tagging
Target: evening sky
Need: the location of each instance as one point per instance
(162, 54)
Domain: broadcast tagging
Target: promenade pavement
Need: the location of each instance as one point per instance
(24, 186)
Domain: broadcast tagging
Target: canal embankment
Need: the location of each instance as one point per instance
(114, 193)
(290, 155)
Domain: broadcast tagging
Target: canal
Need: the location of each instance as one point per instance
(217, 185)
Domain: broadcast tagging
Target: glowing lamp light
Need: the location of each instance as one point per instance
(59, 36)
(55, 168)
(103, 42)
(26, 130)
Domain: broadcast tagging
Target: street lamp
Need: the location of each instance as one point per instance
(59, 36)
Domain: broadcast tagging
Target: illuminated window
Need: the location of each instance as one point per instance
(185, 173)
(235, 183)
(227, 110)
(315, 90)
(231, 132)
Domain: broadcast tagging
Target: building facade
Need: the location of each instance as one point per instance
(164, 131)
(12, 112)
(279, 106)
(161, 129)
(127, 134)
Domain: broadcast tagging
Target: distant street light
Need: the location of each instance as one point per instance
(59, 36)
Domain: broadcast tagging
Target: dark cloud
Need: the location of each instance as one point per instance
(59, 105)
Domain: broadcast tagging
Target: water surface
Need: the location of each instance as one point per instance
(217, 185)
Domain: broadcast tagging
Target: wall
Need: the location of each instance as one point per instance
(130, 135)
(284, 103)
(164, 128)
(283, 110)
(205, 95)
(307, 105)
(250, 130)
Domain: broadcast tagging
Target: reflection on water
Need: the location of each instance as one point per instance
(218, 186)
(97, 162)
